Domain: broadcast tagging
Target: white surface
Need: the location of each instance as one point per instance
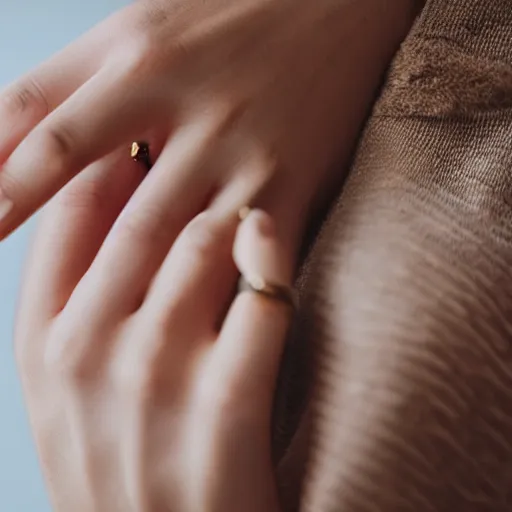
(30, 31)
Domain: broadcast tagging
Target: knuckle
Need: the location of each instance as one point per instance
(65, 355)
(135, 381)
(144, 56)
(149, 51)
(54, 148)
(51, 148)
(64, 363)
(60, 143)
(141, 59)
(27, 95)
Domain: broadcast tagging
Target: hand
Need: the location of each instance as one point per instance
(160, 409)
(239, 100)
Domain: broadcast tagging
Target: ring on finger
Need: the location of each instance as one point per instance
(140, 153)
(274, 291)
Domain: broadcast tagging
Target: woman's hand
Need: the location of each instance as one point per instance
(166, 406)
(242, 101)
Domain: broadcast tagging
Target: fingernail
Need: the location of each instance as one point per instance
(264, 223)
(6, 206)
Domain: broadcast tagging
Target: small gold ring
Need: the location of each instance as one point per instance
(140, 153)
(279, 292)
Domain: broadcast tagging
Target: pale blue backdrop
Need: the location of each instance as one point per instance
(30, 31)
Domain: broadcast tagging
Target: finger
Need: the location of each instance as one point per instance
(196, 280)
(27, 101)
(106, 112)
(253, 336)
(184, 302)
(211, 294)
(72, 230)
(174, 192)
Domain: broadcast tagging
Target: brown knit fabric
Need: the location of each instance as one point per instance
(407, 304)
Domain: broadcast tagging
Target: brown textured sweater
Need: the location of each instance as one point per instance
(407, 296)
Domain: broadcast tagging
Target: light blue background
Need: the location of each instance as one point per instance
(30, 31)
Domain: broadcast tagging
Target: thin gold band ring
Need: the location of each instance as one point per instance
(278, 292)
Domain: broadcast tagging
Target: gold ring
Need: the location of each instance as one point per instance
(279, 292)
(140, 153)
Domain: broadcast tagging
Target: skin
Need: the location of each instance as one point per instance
(129, 410)
(242, 103)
